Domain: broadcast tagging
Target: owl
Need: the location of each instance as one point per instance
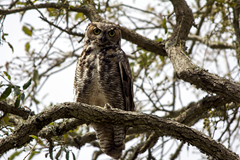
(103, 78)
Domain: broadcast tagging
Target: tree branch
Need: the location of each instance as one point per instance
(93, 16)
(40, 6)
(95, 114)
(188, 71)
(213, 45)
(143, 42)
(61, 29)
(184, 69)
(16, 111)
(184, 19)
(236, 12)
(60, 128)
(193, 113)
(189, 116)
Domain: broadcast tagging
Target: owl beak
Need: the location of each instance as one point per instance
(103, 38)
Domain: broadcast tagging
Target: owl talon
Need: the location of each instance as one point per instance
(108, 106)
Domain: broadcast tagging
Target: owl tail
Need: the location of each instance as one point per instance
(111, 139)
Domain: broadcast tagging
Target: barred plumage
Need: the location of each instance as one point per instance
(103, 76)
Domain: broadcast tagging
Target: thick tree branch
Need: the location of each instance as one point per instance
(193, 112)
(143, 42)
(184, 19)
(188, 116)
(96, 114)
(188, 71)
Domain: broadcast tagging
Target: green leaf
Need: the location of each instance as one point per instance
(27, 46)
(55, 12)
(151, 56)
(6, 118)
(58, 153)
(33, 136)
(164, 24)
(17, 102)
(74, 157)
(27, 84)
(35, 100)
(33, 153)
(8, 76)
(6, 93)
(162, 58)
(40, 142)
(65, 136)
(9, 44)
(79, 15)
(36, 77)
(27, 31)
(158, 39)
(3, 36)
(14, 155)
(98, 10)
(131, 64)
(67, 155)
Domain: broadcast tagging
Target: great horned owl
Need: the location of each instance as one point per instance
(103, 76)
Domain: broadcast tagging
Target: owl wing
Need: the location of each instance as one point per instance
(127, 83)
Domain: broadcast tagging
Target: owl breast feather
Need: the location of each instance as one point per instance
(101, 73)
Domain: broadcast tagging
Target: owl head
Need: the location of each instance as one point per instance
(102, 35)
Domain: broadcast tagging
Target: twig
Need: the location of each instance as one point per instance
(68, 31)
(175, 155)
(30, 151)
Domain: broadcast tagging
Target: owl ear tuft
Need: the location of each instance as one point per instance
(89, 24)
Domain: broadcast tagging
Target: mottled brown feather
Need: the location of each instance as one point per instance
(102, 76)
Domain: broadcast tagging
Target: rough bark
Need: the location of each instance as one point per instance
(188, 116)
(184, 67)
(97, 114)
(201, 78)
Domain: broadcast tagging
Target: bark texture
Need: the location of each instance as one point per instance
(97, 114)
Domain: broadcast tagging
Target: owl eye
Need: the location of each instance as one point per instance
(96, 31)
(111, 33)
